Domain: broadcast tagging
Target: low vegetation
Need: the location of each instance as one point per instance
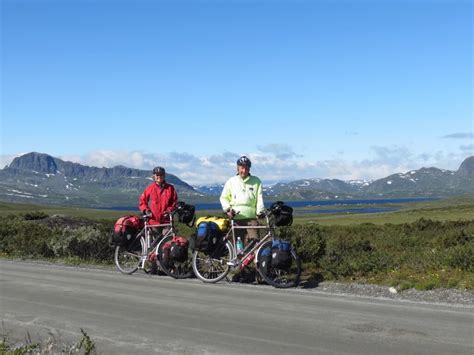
(52, 345)
(424, 254)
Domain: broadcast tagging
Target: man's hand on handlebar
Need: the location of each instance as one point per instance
(230, 213)
(261, 215)
(147, 214)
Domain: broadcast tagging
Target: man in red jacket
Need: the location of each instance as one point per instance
(159, 198)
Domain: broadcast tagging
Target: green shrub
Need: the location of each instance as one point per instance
(407, 254)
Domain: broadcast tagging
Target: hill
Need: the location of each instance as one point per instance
(43, 179)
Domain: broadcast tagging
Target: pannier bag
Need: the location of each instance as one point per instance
(281, 257)
(179, 249)
(207, 237)
(222, 223)
(186, 213)
(126, 229)
(164, 254)
(265, 260)
(283, 214)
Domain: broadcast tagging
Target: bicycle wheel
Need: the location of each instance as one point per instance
(212, 267)
(279, 278)
(127, 258)
(174, 268)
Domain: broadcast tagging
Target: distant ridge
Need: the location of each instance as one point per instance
(41, 178)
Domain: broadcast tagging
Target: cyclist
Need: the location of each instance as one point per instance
(243, 194)
(158, 200)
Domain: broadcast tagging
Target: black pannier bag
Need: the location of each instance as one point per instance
(281, 256)
(186, 213)
(207, 237)
(179, 249)
(265, 260)
(283, 214)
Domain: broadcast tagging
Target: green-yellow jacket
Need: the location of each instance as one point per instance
(243, 195)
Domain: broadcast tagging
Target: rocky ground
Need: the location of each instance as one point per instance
(442, 295)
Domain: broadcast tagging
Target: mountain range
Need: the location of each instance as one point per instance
(43, 179)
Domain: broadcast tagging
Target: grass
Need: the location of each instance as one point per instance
(423, 245)
(450, 209)
(53, 345)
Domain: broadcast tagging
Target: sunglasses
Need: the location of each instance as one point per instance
(161, 175)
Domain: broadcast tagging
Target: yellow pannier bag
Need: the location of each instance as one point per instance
(222, 223)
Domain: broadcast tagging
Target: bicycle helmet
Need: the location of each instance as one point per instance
(244, 161)
(159, 171)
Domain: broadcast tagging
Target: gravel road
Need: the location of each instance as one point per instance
(141, 314)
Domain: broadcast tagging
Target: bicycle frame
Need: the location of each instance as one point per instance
(230, 236)
(146, 240)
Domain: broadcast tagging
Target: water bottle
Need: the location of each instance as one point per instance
(247, 260)
(239, 245)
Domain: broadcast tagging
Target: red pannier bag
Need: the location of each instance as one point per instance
(126, 229)
(179, 249)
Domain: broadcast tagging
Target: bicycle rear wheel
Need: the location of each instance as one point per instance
(127, 258)
(174, 268)
(212, 267)
(279, 278)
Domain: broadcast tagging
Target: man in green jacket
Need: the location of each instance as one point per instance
(243, 194)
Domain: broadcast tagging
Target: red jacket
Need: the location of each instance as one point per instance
(158, 200)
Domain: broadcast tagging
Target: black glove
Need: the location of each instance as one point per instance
(147, 213)
(261, 215)
(230, 213)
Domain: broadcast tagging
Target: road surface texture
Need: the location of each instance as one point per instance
(142, 314)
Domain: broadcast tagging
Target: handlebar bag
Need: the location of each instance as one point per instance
(186, 213)
(283, 214)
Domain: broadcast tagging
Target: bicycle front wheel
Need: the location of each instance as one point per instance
(178, 269)
(212, 267)
(279, 278)
(127, 258)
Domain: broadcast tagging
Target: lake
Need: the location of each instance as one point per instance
(352, 205)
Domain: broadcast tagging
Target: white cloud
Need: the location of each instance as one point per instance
(217, 168)
(280, 151)
(469, 148)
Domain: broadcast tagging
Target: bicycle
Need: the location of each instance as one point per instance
(147, 248)
(214, 266)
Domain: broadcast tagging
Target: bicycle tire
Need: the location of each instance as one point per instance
(127, 258)
(277, 277)
(173, 268)
(212, 267)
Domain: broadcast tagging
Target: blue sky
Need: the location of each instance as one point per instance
(307, 89)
